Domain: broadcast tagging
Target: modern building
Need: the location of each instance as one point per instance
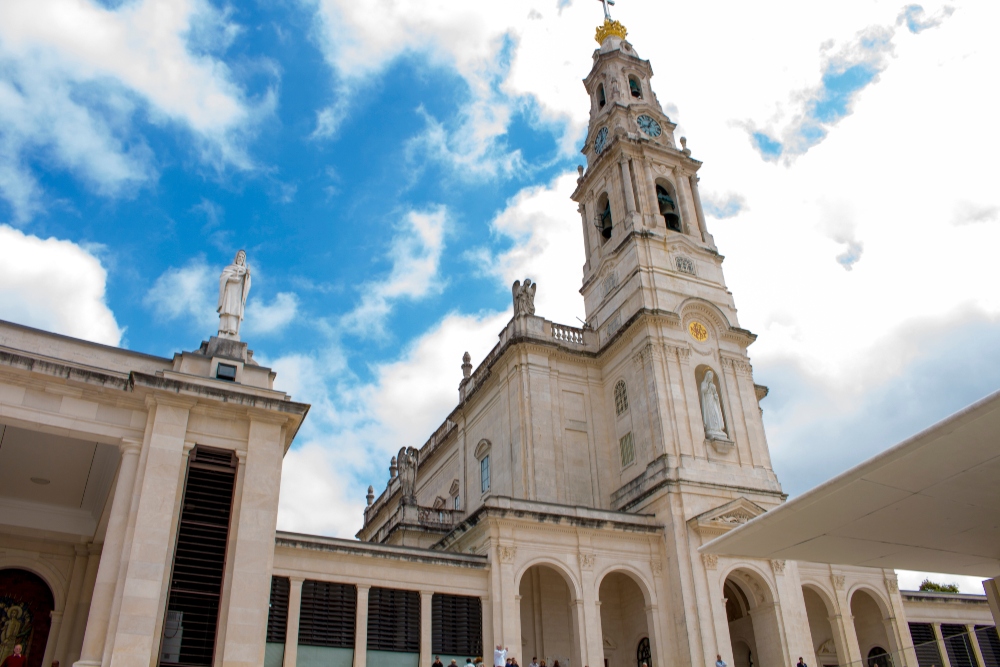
(558, 510)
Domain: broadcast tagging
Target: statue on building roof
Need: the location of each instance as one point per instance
(524, 297)
(234, 286)
(407, 462)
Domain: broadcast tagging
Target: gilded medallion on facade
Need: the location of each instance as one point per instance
(698, 331)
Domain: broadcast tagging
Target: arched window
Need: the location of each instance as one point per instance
(604, 222)
(635, 87)
(621, 397)
(601, 100)
(483, 454)
(877, 657)
(643, 654)
(668, 207)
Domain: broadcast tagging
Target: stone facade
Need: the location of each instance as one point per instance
(561, 504)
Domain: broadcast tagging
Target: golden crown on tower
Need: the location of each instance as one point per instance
(609, 28)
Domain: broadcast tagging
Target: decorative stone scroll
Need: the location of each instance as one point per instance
(710, 561)
(587, 561)
(778, 567)
(839, 581)
(506, 554)
(892, 584)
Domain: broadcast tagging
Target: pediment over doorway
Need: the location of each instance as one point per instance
(724, 518)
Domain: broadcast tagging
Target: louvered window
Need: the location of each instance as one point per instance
(958, 645)
(393, 620)
(328, 614)
(989, 645)
(277, 613)
(925, 644)
(192, 615)
(626, 449)
(456, 625)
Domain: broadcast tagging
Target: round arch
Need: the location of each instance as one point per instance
(752, 581)
(883, 604)
(574, 586)
(825, 596)
(634, 574)
(819, 610)
(52, 577)
(696, 307)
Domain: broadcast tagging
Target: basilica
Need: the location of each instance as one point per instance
(557, 511)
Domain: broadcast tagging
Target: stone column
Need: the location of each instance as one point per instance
(488, 642)
(592, 643)
(426, 638)
(253, 556)
(688, 218)
(629, 194)
(992, 588)
(653, 202)
(942, 649)
(844, 632)
(111, 556)
(975, 646)
(361, 628)
(83, 606)
(578, 645)
(149, 554)
(71, 610)
(696, 196)
(55, 625)
(292, 624)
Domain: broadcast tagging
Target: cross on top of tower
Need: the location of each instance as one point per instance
(607, 14)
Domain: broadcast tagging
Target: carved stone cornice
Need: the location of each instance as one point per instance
(740, 366)
(724, 518)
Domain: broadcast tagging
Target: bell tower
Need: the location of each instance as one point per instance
(645, 238)
(656, 298)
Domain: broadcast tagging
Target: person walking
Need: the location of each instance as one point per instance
(437, 662)
(719, 662)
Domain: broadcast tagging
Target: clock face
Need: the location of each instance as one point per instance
(648, 125)
(602, 140)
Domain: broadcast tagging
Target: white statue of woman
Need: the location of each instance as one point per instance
(234, 285)
(711, 409)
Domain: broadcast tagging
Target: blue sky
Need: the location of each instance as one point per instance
(391, 168)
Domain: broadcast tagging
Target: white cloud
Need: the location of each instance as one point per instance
(415, 254)
(546, 237)
(75, 73)
(262, 319)
(186, 292)
(910, 581)
(54, 285)
(354, 427)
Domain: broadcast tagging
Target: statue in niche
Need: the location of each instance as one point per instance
(407, 462)
(234, 286)
(524, 297)
(711, 409)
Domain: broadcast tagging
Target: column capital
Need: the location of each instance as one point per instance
(426, 593)
(363, 587)
(130, 446)
(296, 580)
(188, 446)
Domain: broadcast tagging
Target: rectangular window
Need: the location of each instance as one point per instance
(456, 625)
(989, 644)
(925, 644)
(458, 502)
(192, 614)
(484, 474)
(626, 447)
(958, 645)
(277, 613)
(226, 372)
(393, 620)
(327, 614)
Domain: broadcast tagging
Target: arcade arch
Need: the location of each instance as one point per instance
(547, 623)
(870, 621)
(819, 610)
(624, 621)
(26, 605)
(753, 621)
